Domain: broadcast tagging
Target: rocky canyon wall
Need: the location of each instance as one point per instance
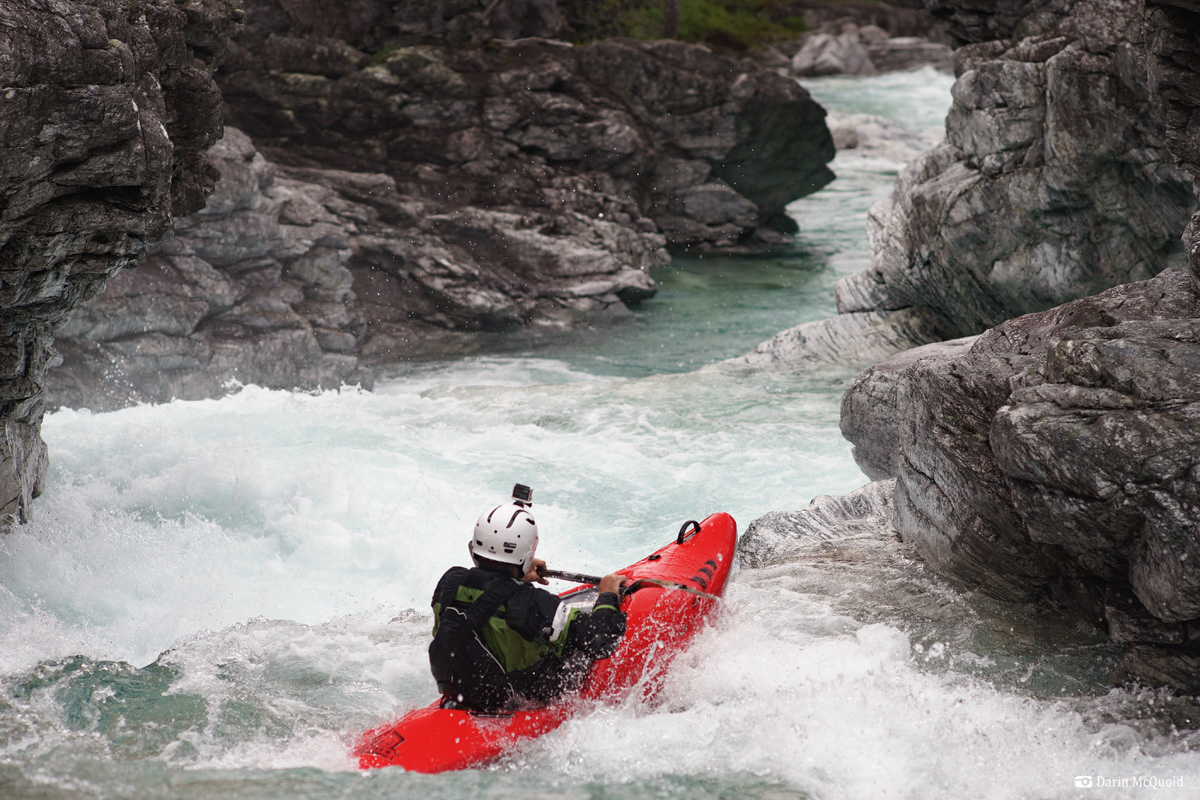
(1057, 180)
(405, 174)
(108, 111)
(707, 147)
(1056, 458)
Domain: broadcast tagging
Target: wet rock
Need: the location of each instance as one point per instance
(1130, 622)
(705, 148)
(844, 47)
(1052, 459)
(904, 53)
(1028, 203)
(249, 289)
(778, 536)
(409, 193)
(1058, 449)
(1159, 666)
(869, 406)
(847, 339)
(1102, 449)
(108, 111)
(876, 137)
(298, 278)
(833, 54)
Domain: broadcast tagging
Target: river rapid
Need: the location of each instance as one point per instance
(215, 597)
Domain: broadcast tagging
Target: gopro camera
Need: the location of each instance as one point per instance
(522, 495)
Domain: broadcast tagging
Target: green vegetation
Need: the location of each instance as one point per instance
(731, 25)
(381, 55)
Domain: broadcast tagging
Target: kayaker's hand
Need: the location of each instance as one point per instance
(535, 572)
(612, 583)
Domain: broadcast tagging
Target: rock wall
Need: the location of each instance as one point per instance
(1058, 178)
(709, 148)
(253, 287)
(414, 175)
(1054, 182)
(108, 110)
(993, 20)
(1055, 458)
(300, 278)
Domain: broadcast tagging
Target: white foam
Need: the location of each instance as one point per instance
(795, 694)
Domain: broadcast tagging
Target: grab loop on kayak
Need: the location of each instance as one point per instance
(683, 530)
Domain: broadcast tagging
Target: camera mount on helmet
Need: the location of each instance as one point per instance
(522, 495)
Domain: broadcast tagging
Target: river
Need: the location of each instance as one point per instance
(215, 597)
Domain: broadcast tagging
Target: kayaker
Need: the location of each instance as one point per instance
(499, 642)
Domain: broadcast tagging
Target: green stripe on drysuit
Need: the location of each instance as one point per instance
(512, 649)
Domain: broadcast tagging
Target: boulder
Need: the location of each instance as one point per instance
(844, 47)
(833, 54)
(847, 340)
(778, 537)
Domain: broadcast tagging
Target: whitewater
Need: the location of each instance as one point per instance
(216, 597)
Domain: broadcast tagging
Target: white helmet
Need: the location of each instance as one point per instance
(506, 534)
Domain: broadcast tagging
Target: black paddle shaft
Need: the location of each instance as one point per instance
(576, 577)
(573, 577)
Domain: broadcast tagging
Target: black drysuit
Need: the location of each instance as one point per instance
(532, 648)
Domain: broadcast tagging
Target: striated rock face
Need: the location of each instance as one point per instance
(847, 339)
(1030, 201)
(1055, 457)
(1171, 27)
(108, 112)
(254, 287)
(1054, 182)
(870, 417)
(709, 149)
(780, 536)
(291, 278)
(410, 188)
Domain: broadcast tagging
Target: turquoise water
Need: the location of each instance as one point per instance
(216, 597)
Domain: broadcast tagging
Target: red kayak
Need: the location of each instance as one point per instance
(661, 621)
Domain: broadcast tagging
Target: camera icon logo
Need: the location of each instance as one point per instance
(1083, 781)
